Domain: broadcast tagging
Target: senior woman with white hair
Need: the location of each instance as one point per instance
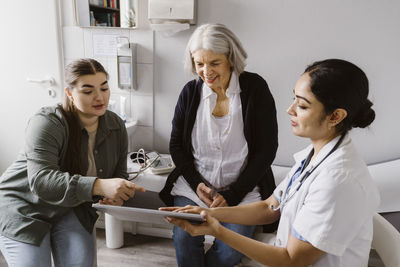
(223, 140)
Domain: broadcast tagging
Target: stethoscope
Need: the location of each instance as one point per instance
(286, 197)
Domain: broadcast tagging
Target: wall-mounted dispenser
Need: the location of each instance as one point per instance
(172, 15)
(126, 60)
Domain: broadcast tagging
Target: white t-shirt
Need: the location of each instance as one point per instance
(219, 145)
(333, 208)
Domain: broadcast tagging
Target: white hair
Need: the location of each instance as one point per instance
(220, 40)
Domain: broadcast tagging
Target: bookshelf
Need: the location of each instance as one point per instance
(107, 13)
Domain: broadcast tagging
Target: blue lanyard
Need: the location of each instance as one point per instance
(308, 173)
(297, 174)
(304, 163)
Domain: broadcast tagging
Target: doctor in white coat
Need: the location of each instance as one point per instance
(326, 202)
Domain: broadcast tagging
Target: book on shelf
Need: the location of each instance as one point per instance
(109, 23)
(114, 20)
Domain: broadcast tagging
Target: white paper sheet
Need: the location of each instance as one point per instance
(105, 44)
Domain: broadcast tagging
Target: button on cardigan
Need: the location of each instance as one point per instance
(260, 130)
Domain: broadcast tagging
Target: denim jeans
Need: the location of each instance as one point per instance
(69, 242)
(190, 250)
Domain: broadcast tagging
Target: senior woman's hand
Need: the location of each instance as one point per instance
(205, 194)
(219, 201)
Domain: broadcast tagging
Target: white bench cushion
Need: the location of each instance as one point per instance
(387, 178)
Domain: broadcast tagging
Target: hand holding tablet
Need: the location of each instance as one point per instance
(210, 225)
(194, 210)
(145, 215)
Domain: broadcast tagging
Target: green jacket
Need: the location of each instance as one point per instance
(35, 193)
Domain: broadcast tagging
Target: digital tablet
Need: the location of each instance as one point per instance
(145, 215)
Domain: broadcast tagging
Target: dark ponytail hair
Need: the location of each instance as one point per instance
(338, 83)
(73, 72)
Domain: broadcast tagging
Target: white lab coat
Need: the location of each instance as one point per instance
(333, 208)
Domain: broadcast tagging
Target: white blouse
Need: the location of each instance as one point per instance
(219, 146)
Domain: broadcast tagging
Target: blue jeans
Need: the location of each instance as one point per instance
(69, 242)
(190, 250)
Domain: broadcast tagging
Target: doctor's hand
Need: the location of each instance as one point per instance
(117, 189)
(185, 209)
(210, 227)
(204, 193)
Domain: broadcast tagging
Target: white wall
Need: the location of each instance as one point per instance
(31, 39)
(78, 43)
(281, 38)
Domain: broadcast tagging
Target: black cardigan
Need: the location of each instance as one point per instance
(260, 131)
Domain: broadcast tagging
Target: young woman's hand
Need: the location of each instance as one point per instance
(116, 188)
(210, 227)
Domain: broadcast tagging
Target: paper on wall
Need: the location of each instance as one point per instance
(105, 44)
